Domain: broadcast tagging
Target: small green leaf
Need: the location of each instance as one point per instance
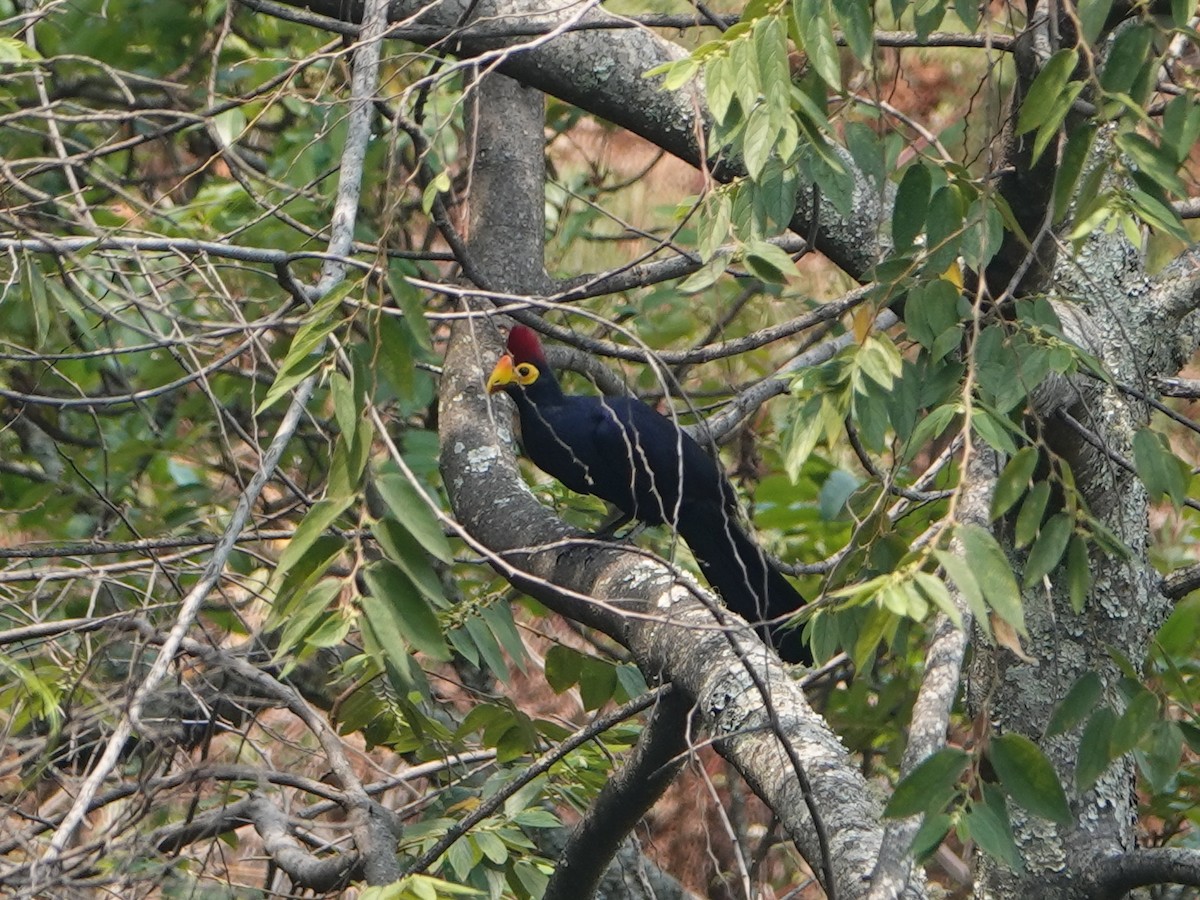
(1033, 510)
(1074, 157)
(1048, 549)
(943, 229)
(855, 18)
(1163, 473)
(994, 431)
(1092, 16)
(1094, 755)
(395, 596)
(489, 649)
(1141, 712)
(929, 780)
(1152, 160)
(438, 184)
(1013, 481)
(562, 667)
(991, 830)
(410, 509)
(1029, 777)
(1079, 572)
(320, 516)
(597, 682)
(769, 262)
(1126, 58)
(994, 574)
(964, 579)
(911, 206)
(816, 32)
(930, 835)
(1081, 699)
(1046, 88)
(1158, 757)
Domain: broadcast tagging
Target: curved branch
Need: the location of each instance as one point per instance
(1115, 876)
(625, 798)
(600, 70)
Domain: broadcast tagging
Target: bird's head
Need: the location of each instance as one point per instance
(522, 365)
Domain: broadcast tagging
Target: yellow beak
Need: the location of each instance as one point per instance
(503, 374)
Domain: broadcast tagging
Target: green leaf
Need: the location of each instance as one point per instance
(934, 590)
(320, 516)
(718, 86)
(1074, 157)
(1126, 58)
(562, 666)
(498, 617)
(1049, 129)
(318, 322)
(1013, 481)
(438, 184)
(1046, 88)
(1033, 510)
(964, 579)
(1092, 16)
(410, 509)
(304, 615)
(1081, 699)
(930, 835)
(991, 830)
(930, 427)
(1079, 572)
(394, 596)
(381, 628)
(816, 33)
(1029, 777)
(1048, 549)
(769, 262)
(993, 430)
(1152, 160)
(911, 206)
(1159, 760)
(855, 17)
(943, 229)
(928, 781)
(489, 649)
(1141, 712)
(401, 548)
(597, 682)
(930, 309)
(1163, 473)
(1094, 754)
(759, 139)
(968, 12)
(992, 571)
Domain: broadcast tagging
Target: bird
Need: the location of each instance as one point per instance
(627, 453)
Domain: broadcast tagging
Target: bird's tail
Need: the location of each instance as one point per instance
(736, 566)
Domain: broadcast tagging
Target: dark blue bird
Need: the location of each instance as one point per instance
(623, 451)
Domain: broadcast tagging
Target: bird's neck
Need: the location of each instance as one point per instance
(546, 391)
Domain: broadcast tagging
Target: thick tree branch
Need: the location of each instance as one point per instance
(1115, 876)
(625, 798)
(600, 70)
(939, 685)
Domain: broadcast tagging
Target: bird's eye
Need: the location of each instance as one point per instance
(526, 372)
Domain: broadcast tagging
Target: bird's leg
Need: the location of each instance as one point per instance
(608, 531)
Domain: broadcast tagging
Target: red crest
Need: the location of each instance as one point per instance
(524, 345)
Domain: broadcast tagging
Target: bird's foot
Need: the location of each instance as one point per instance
(610, 530)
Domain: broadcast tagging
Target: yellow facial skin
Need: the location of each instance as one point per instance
(507, 371)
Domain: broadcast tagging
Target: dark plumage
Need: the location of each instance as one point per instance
(621, 450)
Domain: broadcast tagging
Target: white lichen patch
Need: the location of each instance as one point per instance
(482, 457)
(677, 594)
